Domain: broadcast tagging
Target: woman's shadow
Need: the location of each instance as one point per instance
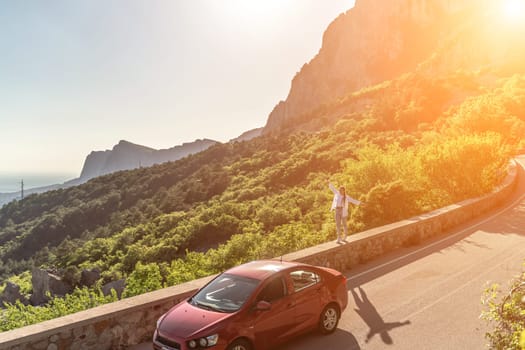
(375, 322)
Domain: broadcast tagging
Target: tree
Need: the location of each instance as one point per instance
(144, 278)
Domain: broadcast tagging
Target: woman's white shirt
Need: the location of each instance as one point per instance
(338, 198)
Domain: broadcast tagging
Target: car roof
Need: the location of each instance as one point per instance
(262, 269)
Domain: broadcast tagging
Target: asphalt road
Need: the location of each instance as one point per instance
(429, 296)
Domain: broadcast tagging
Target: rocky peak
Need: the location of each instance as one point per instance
(375, 41)
(124, 145)
(126, 155)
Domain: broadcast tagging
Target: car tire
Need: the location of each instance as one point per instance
(240, 344)
(329, 319)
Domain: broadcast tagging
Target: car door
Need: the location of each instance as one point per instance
(276, 324)
(307, 294)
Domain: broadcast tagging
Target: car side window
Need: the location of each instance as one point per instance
(274, 290)
(302, 279)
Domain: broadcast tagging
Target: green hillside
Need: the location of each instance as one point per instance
(406, 153)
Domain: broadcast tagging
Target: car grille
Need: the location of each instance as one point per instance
(167, 342)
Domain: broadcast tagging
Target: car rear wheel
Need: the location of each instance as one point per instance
(240, 344)
(329, 319)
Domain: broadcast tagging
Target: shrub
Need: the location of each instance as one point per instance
(505, 313)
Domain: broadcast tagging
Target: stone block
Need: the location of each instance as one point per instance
(65, 334)
(89, 277)
(11, 294)
(132, 319)
(118, 286)
(44, 282)
(105, 340)
(41, 345)
(101, 326)
(136, 336)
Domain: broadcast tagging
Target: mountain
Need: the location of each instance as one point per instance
(248, 135)
(378, 41)
(126, 155)
(411, 105)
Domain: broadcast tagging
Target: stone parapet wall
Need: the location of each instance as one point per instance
(131, 321)
(370, 244)
(112, 326)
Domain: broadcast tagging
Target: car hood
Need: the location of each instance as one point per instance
(185, 320)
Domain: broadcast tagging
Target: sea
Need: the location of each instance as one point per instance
(12, 182)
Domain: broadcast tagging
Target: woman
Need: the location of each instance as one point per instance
(340, 205)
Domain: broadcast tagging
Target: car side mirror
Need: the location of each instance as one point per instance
(263, 306)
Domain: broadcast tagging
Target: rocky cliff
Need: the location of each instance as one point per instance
(377, 40)
(126, 155)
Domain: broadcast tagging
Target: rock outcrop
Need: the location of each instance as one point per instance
(45, 282)
(11, 295)
(89, 277)
(118, 286)
(375, 41)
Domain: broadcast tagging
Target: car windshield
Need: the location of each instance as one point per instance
(226, 293)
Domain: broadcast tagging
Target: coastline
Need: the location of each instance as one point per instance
(11, 183)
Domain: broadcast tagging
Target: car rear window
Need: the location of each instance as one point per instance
(302, 279)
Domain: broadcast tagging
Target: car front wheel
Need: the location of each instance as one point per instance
(329, 319)
(240, 344)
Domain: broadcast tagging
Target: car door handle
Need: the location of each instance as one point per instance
(290, 304)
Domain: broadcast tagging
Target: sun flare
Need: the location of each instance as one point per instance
(514, 10)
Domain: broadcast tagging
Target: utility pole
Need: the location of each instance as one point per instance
(22, 190)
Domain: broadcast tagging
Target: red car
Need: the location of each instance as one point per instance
(255, 306)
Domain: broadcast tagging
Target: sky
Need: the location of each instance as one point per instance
(78, 76)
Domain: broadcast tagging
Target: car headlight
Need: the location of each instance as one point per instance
(212, 339)
(204, 342)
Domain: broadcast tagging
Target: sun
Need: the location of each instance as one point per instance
(514, 10)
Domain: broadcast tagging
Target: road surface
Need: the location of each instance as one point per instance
(429, 296)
